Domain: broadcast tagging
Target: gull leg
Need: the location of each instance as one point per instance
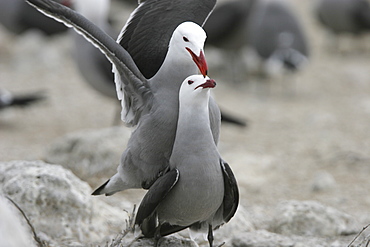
(210, 235)
(157, 236)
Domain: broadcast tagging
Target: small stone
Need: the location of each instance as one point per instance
(323, 181)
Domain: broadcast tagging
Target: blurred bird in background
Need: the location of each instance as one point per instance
(17, 16)
(341, 17)
(344, 16)
(9, 100)
(266, 34)
(93, 66)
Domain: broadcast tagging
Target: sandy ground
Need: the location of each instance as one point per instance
(309, 127)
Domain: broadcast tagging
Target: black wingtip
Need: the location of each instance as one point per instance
(167, 229)
(148, 225)
(27, 100)
(231, 197)
(227, 118)
(99, 190)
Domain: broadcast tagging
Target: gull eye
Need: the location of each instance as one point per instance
(185, 39)
(190, 82)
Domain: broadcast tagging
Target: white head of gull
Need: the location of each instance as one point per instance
(186, 44)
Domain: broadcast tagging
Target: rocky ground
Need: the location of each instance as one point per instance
(302, 164)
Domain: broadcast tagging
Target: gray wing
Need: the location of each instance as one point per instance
(129, 80)
(157, 192)
(231, 197)
(148, 31)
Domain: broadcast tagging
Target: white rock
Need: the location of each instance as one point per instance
(310, 218)
(13, 233)
(57, 203)
(90, 154)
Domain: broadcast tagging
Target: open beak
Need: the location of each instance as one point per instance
(200, 61)
(210, 83)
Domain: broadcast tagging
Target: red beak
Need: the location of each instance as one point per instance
(200, 61)
(208, 84)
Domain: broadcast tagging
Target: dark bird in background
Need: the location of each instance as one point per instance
(9, 100)
(275, 33)
(344, 20)
(17, 16)
(226, 26)
(226, 30)
(268, 28)
(344, 16)
(92, 64)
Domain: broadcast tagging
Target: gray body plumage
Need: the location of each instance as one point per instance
(198, 192)
(344, 16)
(150, 105)
(200, 189)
